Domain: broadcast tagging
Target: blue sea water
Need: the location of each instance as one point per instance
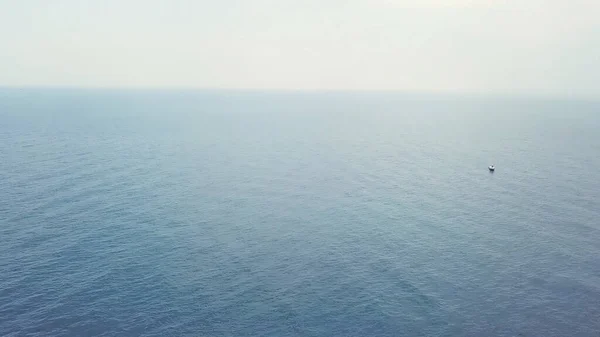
(166, 213)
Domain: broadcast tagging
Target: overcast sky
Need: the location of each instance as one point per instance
(486, 46)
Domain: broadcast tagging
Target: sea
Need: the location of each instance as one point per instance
(264, 213)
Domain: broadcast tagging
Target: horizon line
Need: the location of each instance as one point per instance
(420, 92)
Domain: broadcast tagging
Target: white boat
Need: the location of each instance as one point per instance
(491, 168)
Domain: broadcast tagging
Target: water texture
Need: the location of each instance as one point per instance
(165, 213)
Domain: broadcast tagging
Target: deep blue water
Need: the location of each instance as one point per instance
(149, 213)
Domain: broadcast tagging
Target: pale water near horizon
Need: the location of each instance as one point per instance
(150, 213)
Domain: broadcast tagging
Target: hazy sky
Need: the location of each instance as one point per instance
(504, 46)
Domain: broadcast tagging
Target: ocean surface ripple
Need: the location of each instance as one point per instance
(163, 213)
